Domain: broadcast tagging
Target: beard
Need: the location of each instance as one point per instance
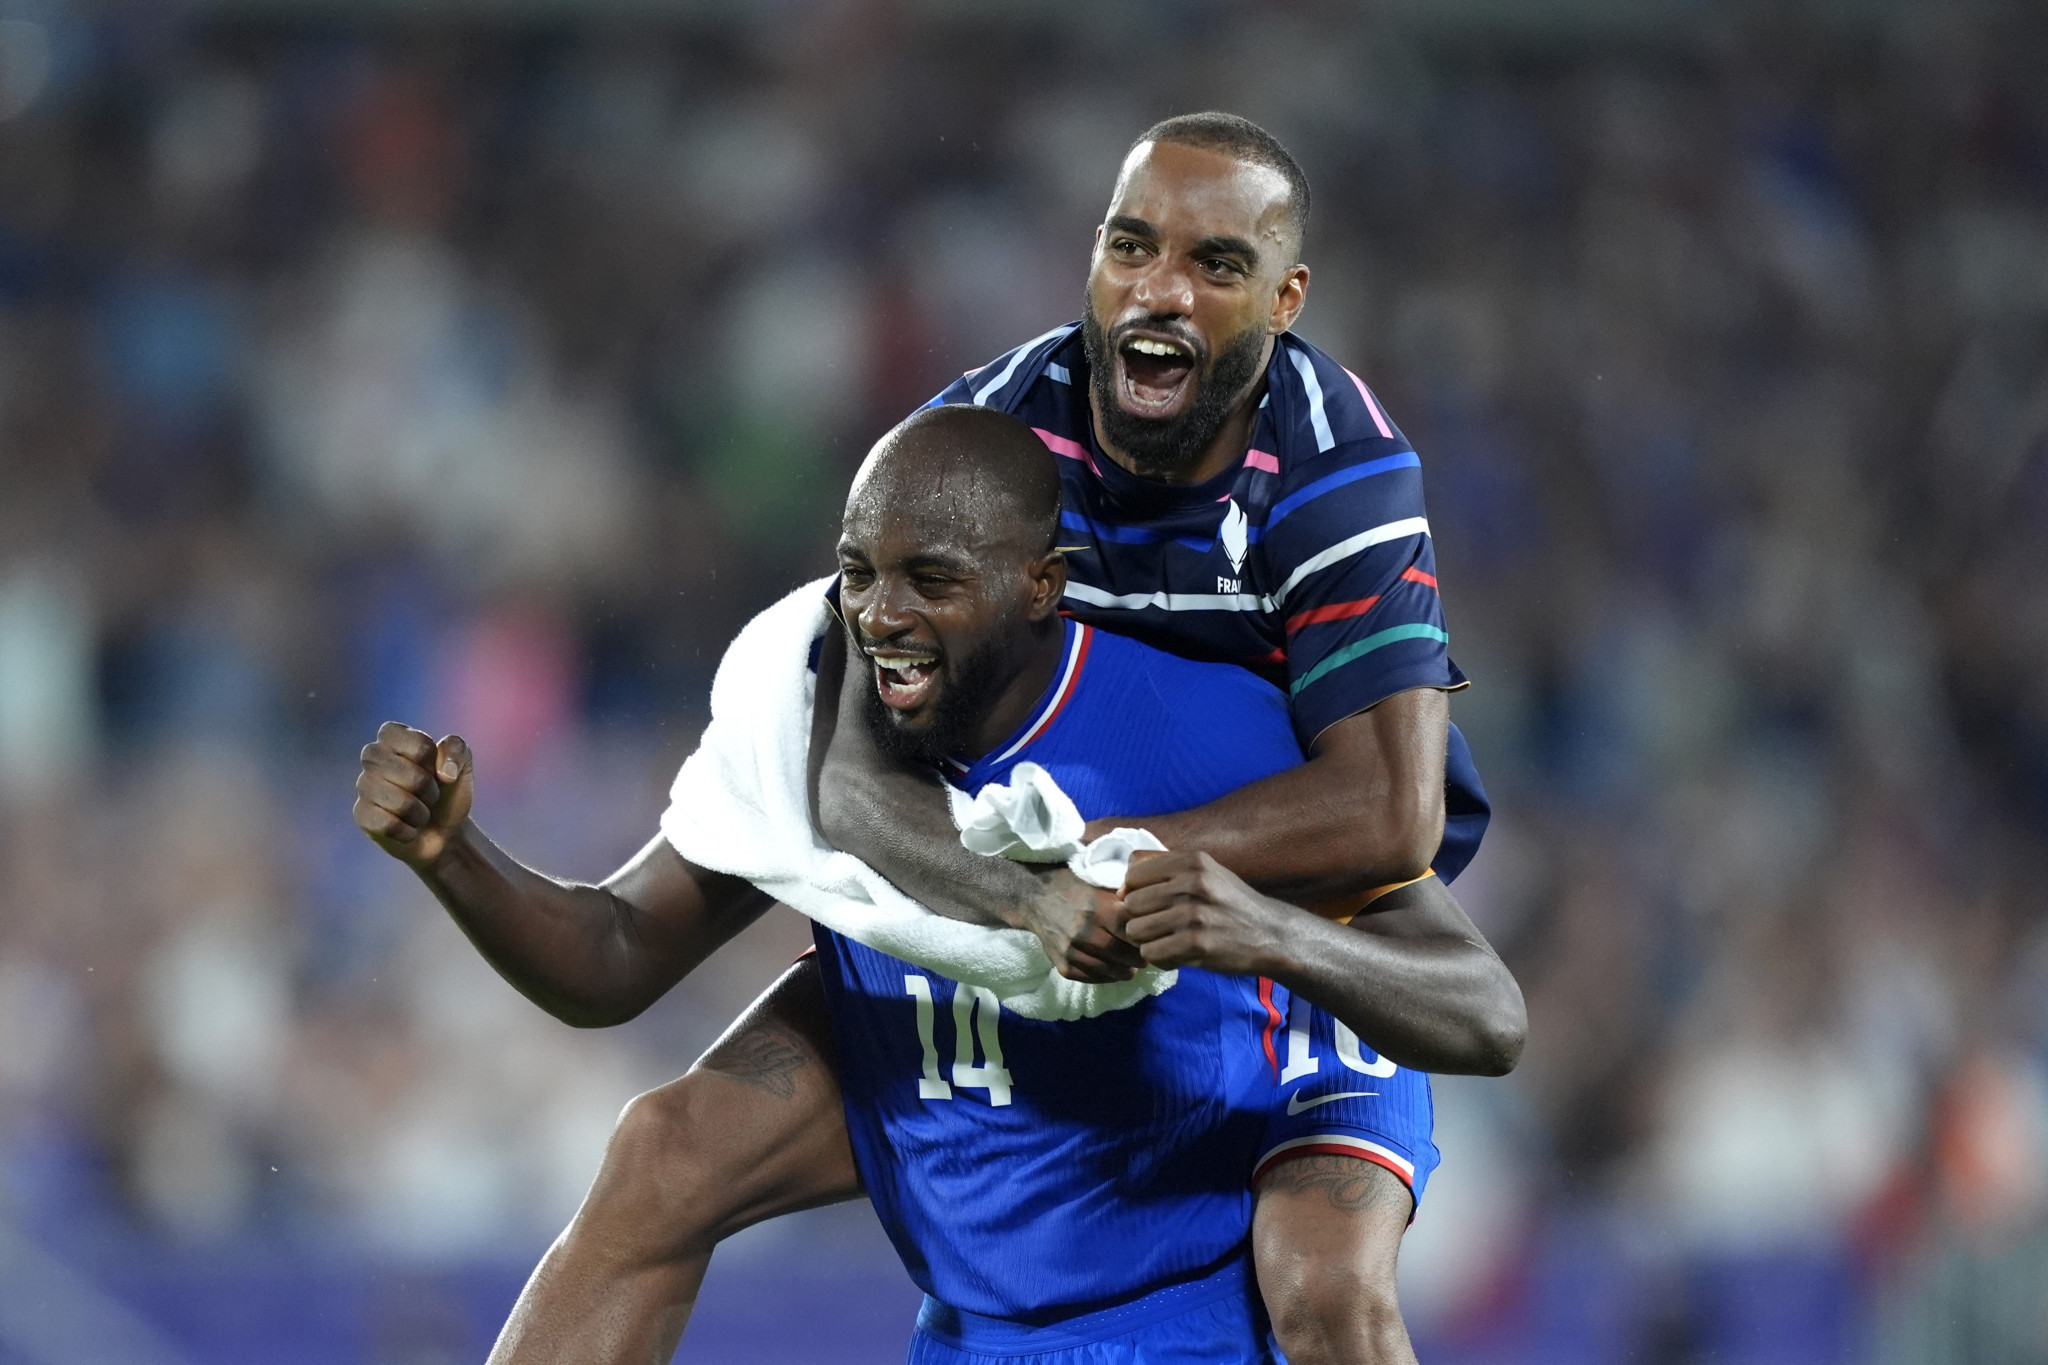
(1162, 447)
(955, 716)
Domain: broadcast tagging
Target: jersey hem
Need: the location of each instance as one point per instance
(1336, 1144)
(980, 1333)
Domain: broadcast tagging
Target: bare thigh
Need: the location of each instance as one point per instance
(757, 1123)
(1326, 1237)
(754, 1130)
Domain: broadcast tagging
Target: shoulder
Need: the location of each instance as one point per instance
(1129, 669)
(1005, 382)
(1332, 405)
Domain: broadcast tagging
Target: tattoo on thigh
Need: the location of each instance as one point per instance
(1349, 1183)
(767, 1056)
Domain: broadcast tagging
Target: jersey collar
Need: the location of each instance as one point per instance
(1054, 700)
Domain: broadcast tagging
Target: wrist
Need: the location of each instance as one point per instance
(1291, 942)
(456, 850)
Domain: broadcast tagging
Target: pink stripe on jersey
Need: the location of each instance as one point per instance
(1259, 459)
(1378, 418)
(1060, 445)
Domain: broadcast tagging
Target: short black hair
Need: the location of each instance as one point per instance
(1215, 131)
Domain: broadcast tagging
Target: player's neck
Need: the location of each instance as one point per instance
(1039, 663)
(1225, 449)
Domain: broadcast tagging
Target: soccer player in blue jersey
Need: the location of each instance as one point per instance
(1094, 1202)
(1234, 495)
(1088, 1204)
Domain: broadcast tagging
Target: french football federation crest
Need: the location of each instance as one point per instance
(1235, 536)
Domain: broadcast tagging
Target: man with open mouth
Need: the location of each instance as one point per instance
(1230, 494)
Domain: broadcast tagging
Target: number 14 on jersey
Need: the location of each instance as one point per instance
(975, 1014)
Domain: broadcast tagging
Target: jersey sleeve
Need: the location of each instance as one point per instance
(1350, 550)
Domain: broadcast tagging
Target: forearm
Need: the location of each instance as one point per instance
(896, 820)
(898, 823)
(1365, 811)
(1300, 836)
(1439, 1003)
(576, 950)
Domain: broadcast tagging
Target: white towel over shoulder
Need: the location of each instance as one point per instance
(740, 806)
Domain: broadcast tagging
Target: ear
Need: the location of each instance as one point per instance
(1288, 299)
(1048, 575)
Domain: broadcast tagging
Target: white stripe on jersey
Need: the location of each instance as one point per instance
(1355, 1143)
(1170, 601)
(1317, 418)
(1059, 693)
(1344, 549)
(1017, 358)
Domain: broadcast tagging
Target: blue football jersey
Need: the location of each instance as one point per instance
(1310, 562)
(1030, 1171)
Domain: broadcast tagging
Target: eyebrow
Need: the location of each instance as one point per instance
(1229, 246)
(1208, 246)
(951, 563)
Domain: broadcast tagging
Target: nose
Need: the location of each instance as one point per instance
(1165, 288)
(883, 610)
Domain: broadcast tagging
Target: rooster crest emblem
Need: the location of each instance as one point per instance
(1235, 536)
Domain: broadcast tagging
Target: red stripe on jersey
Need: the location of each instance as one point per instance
(1418, 576)
(1273, 1022)
(1336, 611)
(1333, 1149)
(1076, 660)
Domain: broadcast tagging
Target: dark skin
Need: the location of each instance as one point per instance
(1196, 249)
(618, 1286)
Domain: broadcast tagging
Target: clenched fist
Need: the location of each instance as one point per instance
(413, 794)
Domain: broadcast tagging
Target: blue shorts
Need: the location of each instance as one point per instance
(1325, 1093)
(1217, 1319)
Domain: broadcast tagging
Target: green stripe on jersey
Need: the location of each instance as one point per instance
(1359, 649)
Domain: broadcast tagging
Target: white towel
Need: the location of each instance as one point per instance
(740, 805)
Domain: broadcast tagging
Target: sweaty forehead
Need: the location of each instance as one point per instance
(1196, 192)
(900, 512)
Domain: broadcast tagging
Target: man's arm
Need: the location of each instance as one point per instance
(1365, 811)
(897, 821)
(591, 956)
(1412, 977)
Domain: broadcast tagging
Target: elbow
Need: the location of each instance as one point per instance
(1500, 1027)
(1402, 848)
(592, 1012)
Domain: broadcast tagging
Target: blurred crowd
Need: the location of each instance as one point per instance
(488, 375)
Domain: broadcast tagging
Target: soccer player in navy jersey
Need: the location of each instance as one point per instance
(1260, 508)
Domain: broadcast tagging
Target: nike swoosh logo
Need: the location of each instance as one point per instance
(1295, 1104)
(1072, 549)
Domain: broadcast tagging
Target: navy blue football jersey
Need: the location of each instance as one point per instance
(1309, 563)
(1032, 1170)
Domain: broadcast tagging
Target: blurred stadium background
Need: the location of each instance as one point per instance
(485, 364)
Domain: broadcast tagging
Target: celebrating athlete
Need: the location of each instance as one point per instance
(1201, 443)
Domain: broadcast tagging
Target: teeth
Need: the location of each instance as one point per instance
(1147, 346)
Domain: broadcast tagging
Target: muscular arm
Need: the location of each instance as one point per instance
(1413, 978)
(589, 955)
(1366, 810)
(592, 956)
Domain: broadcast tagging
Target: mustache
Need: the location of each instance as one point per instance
(1165, 325)
(901, 640)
